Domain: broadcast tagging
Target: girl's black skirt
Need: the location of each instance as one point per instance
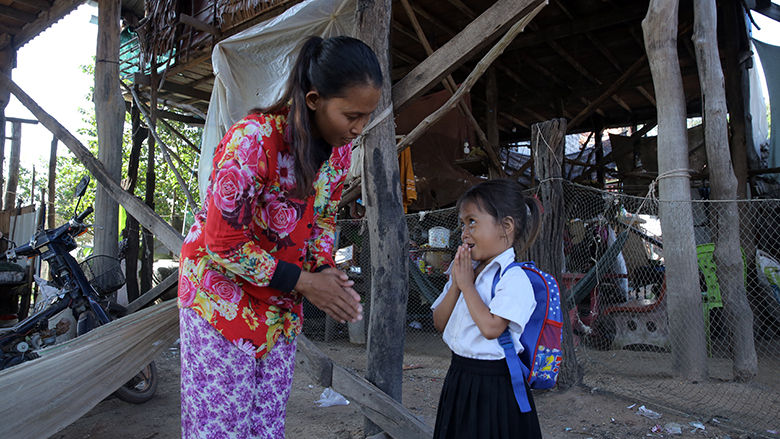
(477, 402)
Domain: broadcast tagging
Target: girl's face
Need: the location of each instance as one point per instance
(485, 235)
(339, 120)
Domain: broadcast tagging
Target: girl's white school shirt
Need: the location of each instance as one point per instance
(514, 301)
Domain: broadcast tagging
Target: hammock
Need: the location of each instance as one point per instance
(45, 395)
(580, 290)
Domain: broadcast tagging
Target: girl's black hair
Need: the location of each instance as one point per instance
(329, 66)
(503, 198)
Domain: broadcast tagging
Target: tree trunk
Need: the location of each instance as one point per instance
(689, 354)
(389, 236)
(724, 216)
(492, 117)
(139, 133)
(13, 166)
(548, 140)
(110, 118)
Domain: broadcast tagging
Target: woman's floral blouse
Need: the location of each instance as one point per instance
(244, 254)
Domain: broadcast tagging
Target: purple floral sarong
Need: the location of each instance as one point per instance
(226, 393)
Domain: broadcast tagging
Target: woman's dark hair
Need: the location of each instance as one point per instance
(503, 198)
(329, 66)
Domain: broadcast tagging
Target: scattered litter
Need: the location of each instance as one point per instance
(594, 390)
(415, 324)
(310, 386)
(697, 426)
(647, 413)
(632, 406)
(673, 428)
(567, 429)
(413, 366)
(715, 421)
(657, 429)
(330, 398)
(613, 419)
(772, 431)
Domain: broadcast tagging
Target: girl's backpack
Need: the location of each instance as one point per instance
(540, 360)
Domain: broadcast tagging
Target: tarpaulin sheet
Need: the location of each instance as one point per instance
(251, 67)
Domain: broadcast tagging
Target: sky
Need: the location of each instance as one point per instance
(49, 70)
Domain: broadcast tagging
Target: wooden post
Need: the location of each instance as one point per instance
(147, 249)
(548, 142)
(724, 215)
(7, 55)
(598, 137)
(110, 118)
(13, 165)
(386, 221)
(686, 324)
(492, 115)
(52, 211)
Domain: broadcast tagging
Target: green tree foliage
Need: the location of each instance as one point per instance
(169, 199)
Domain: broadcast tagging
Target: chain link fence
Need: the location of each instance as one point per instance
(624, 335)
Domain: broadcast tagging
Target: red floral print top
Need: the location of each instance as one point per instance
(245, 252)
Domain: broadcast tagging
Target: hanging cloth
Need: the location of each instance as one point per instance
(408, 187)
(770, 61)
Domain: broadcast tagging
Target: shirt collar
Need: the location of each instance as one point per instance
(503, 260)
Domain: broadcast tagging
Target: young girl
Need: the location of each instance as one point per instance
(264, 241)
(477, 399)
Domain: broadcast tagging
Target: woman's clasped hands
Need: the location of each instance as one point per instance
(331, 291)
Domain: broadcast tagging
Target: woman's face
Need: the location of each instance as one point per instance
(339, 120)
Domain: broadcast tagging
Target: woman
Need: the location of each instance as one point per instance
(264, 240)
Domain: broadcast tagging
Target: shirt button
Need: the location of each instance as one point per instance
(300, 259)
(308, 225)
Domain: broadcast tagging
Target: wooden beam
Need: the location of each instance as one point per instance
(477, 35)
(463, 8)
(435, 21)
(44, 19)
(146, 216)
(384, 411)
(451, 86)
(168, 284)
(180, 135)
(173, 87)
(483, 64)
(590, 109)
(200, 25)
(38, 4)
(585, 24)
(175, 70)
(7, 11)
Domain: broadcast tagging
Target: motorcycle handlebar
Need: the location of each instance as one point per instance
(81, 217)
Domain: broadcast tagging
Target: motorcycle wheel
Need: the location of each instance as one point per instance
(143, 385)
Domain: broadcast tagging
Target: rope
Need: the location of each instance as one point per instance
(374, 122)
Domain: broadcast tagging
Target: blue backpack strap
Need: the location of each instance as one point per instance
(517, 370)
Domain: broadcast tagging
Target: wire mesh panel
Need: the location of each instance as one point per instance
(627, 325)
(625, 315)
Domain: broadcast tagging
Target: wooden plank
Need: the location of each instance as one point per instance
(483, 64)
(7, 11)
(38, 4)
(197, 24)
(173, 87)
(593, 106)
(383, 410)
(478, 34)
(170, 282)
(314, 362)
(387, 413)
(146, 216)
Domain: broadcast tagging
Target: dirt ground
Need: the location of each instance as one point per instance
(577, 413)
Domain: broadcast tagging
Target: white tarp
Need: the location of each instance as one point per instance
(251, 67)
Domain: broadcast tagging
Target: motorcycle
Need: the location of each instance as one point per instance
(84, 288)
